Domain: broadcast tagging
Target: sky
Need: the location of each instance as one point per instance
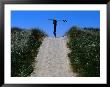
(39, 19)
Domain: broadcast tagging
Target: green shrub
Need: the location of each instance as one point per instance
(38, 34)
(24, 48)
(85, 51)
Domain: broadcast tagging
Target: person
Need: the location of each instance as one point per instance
(55, 25)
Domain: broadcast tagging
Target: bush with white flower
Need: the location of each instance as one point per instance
(24, 48)
(85, 51)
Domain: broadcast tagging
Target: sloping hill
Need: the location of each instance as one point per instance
(52, 59)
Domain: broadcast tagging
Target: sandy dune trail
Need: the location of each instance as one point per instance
(52, 59)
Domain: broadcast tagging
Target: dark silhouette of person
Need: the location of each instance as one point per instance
(55, 25)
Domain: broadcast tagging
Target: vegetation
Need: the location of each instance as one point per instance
(24, 48)
(85, 51)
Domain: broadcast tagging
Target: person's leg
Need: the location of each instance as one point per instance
(54, 30)
(55, 34)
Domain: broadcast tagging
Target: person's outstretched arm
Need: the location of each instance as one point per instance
(50, 19)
